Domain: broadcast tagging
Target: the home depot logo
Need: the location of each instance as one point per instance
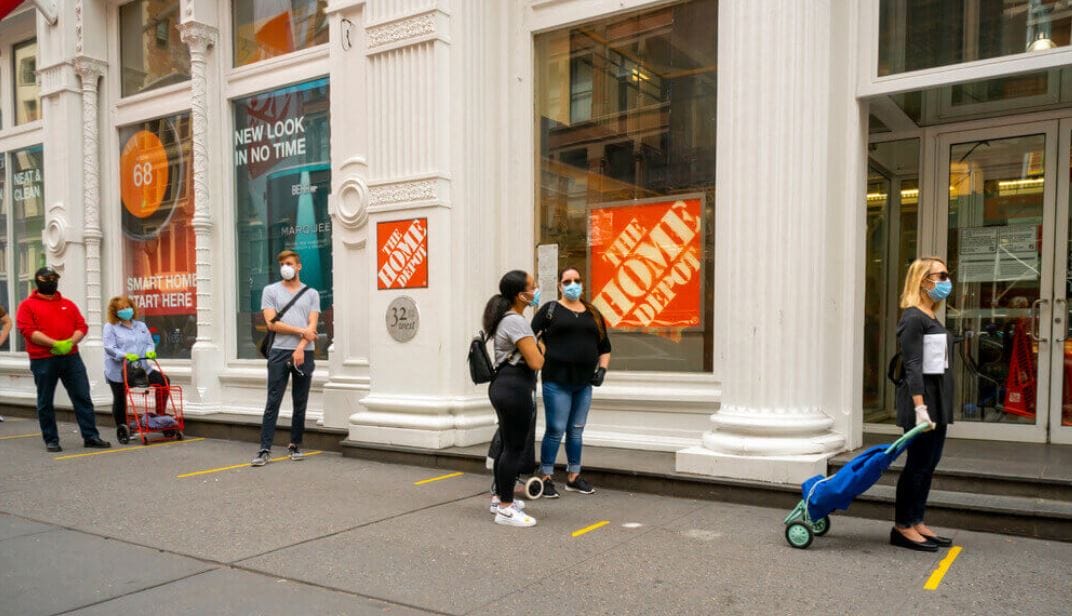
(646, 264)
(402, 254)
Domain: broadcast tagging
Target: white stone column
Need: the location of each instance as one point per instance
(90, 71)
(776, 288)
(206, 358)
(348, 204)
(434, 91)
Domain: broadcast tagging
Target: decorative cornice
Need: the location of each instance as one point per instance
(407, 31)
(57, 78)
(403, 192)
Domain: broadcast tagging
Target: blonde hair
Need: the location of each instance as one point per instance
(116, 304)
(912, 295)
(282, 256)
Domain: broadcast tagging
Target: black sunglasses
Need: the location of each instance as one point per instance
(943, 276)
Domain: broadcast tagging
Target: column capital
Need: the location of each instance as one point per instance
(90, 70)
(198, 36)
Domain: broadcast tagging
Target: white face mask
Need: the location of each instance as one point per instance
(287, 272)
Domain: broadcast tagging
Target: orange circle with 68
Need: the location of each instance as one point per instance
(143, 174)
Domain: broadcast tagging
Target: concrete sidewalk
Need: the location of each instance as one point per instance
(189, 528)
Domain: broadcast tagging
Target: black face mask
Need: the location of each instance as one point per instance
(47, 287)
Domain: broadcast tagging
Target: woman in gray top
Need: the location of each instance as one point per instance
(924, 396)
(517, 357)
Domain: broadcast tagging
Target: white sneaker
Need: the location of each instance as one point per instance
(509, 516)
(495, 502)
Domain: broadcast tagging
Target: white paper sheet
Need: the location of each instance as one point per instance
(935, 353)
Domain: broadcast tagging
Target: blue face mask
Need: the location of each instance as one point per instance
(535, 302)
(572, 291)
(125, 314)
(942, 289)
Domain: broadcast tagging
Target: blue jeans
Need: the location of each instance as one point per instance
(566, 410)
(72, 372)
(278, 374)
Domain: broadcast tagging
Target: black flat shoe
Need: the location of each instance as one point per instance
(899, 540)
(96, 443)
(942, 542)
(53, 447)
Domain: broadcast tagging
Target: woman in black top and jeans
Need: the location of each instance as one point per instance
(517, 357)
(578, 353)
(925, 396)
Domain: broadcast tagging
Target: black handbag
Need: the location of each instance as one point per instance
(266, 343)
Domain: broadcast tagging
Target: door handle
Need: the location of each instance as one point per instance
(1035, 312)
(1060, 319)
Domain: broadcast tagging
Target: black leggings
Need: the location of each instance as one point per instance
(511, 395)
(119, 397)
(914, 485)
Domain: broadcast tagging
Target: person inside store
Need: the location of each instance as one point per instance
(291, 310)
(127, 340)
(925, 396)
(518, 357)
(5, 331)
(52, 326)
(574, 334)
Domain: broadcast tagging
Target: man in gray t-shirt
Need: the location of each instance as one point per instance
(291, 353)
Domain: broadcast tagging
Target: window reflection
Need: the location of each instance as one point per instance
(626, 138)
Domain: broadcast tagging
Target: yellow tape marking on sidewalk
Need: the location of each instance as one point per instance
(440, 478)
(588, 529)
(127, 449)
(209, 471)
(8, 438)
(943, 567)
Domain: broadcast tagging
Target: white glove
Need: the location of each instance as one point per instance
(922, 416)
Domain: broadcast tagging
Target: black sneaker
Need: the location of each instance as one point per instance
(580, 484)
(122, 434)
(53, 447)
(549, 490)
(96, 443)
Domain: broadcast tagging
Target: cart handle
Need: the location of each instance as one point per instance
(907, 437)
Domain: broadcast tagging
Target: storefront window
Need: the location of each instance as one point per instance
(28, 217)
(155, 180)
(151, 52)
(282, 160)
(268, 28)
(27, 94)
(921, 34)
(625, 176)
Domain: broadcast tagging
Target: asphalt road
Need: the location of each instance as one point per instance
(189, 528)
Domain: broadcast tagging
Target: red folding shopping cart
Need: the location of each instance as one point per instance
(152, 408)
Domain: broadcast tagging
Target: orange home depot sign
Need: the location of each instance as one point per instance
(645, 264)
(402, 254)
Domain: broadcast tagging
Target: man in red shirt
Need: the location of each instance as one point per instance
(52, 326)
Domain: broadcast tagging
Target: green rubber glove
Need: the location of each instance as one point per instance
(131, 357)
(62, 347)
(150, 354)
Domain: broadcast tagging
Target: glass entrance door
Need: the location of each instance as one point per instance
(1000, 230)
(1060, 410)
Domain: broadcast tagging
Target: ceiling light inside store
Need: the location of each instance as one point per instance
(1030, 186)
(1041, 43)
(908, 195)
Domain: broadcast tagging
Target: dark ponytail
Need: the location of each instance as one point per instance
(511, 285)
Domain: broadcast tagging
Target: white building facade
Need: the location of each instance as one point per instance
(740, 183)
